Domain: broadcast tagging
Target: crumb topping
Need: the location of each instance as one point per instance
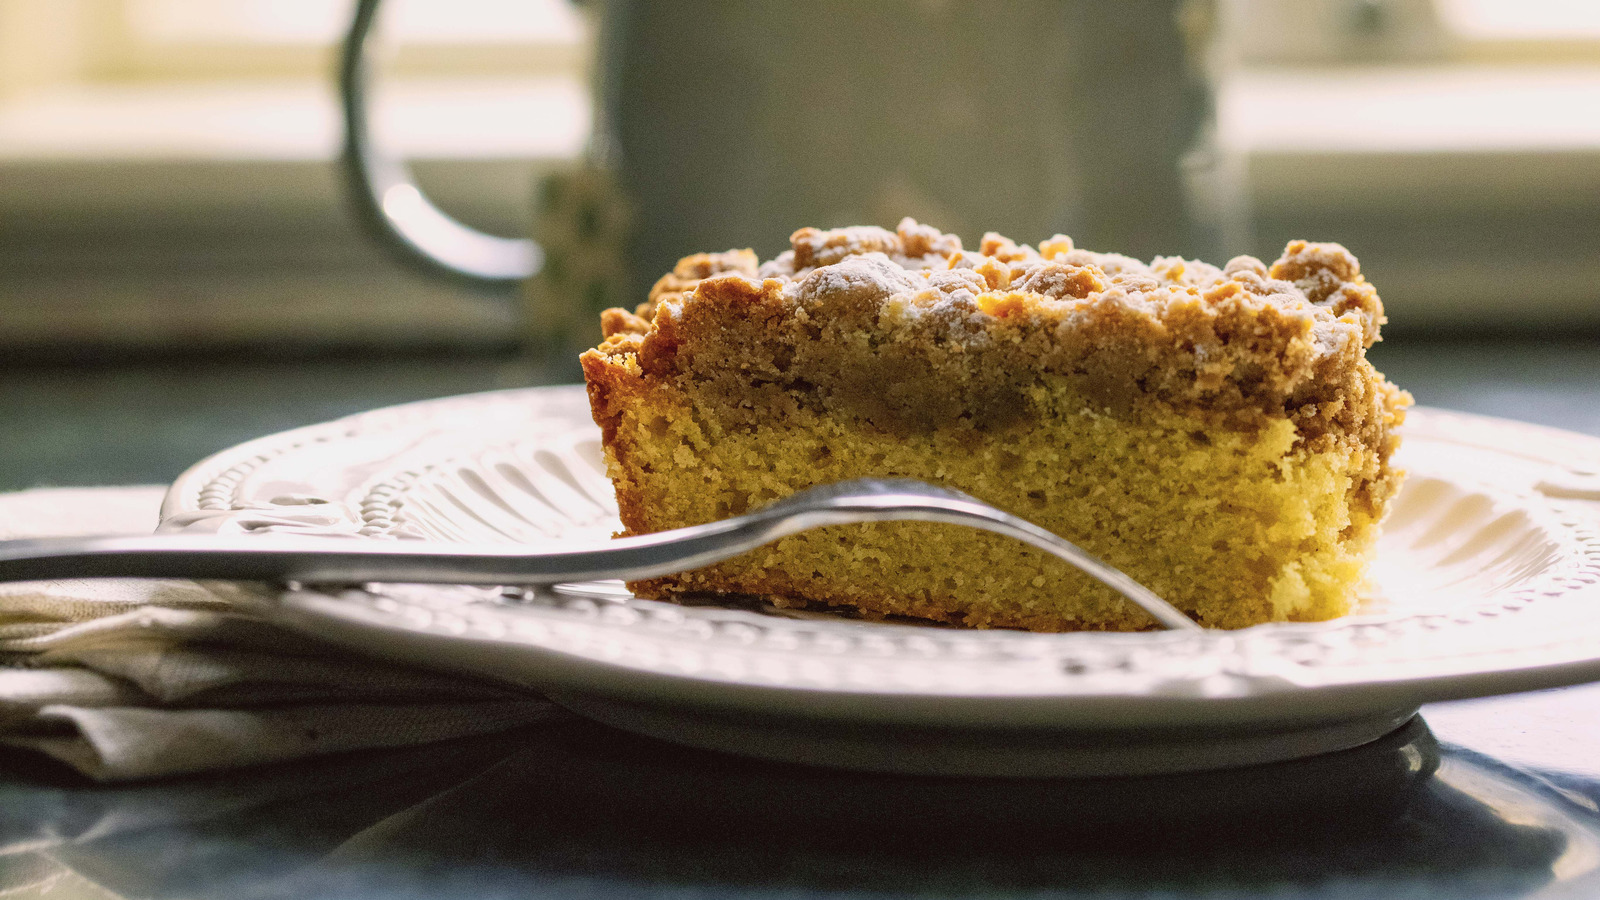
(1318, 286)
(908, 329)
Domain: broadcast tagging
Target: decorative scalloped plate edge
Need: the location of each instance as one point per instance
(517, 456)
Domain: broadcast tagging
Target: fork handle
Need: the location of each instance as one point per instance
(322, 560)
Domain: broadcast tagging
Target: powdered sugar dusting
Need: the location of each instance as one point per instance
(928, 272)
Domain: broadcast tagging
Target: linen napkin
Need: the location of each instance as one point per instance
(126, 679)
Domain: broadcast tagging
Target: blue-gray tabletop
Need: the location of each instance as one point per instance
(1488, 798)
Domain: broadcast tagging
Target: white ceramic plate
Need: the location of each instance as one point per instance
(1485, 583)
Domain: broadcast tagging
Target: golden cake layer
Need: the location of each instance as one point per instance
(1218, 434)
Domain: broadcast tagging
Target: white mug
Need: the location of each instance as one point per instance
(728, 123)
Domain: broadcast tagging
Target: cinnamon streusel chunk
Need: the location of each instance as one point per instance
(1218, 434)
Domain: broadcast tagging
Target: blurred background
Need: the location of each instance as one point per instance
(180, 268)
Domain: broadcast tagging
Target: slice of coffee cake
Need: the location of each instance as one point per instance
(1218, 434)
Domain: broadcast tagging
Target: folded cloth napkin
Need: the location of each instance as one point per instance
(125, 679)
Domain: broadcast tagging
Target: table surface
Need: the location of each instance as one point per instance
(1485, 798)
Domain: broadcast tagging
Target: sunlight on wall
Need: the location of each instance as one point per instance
(322, 21)
(1521, 19)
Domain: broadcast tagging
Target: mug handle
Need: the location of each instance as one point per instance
(395, 212)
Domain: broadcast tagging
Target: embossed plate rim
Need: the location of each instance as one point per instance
(1242, 670)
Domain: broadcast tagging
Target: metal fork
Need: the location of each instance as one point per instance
(312, 559)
